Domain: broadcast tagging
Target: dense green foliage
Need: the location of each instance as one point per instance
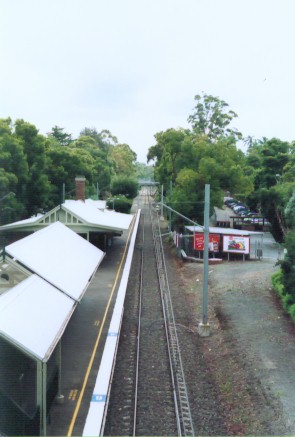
(36, 169)
(206, 154)
(125, 185)
(119, 203)
(273, 163)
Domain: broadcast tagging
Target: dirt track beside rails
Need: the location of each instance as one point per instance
(241, 379)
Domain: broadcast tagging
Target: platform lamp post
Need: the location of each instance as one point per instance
(204, 327)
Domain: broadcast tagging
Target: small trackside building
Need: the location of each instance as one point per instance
(223, 242)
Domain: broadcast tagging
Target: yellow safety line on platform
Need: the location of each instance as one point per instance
(72, 424)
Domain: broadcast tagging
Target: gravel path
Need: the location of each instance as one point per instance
(249, 358)
(251, 311)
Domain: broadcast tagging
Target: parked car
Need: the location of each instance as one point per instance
(238, 208)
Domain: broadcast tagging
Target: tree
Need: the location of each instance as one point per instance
(290, 211)
(124, 185)
(104, 140)
(185, 196)
(63, 138)
(168, 154)
(124, 159)
(144, 172)
(102, 165)
(288, 266)
(36, 191)
(64, 164)
(212, 118)
(273, 163)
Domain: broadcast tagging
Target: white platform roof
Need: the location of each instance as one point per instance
(60, 256)
(88, 213)
(91, 214)
(33, 316)
(24, 222)
(224, 231)
(99, 204)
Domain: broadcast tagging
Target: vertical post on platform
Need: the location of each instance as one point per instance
(59, 397)
(170, 212)
(204, 327)
(162, 202)
(63, 194)
(44, 400)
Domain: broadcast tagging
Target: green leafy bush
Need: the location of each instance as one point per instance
(120, 204)
(287, 301)
(291, 312)
(277, 283)
(124, 185)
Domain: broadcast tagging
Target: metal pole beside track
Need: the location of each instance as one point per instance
(204, 327)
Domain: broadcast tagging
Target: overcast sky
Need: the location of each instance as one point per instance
(134, 66)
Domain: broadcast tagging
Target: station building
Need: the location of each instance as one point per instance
(44, 274)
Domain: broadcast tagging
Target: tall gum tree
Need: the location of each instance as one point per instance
(212, 118)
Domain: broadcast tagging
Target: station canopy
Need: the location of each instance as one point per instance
(88, 216)
(60, 256)
(33, 316)
(93, 216)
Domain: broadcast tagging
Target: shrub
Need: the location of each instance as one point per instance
(126, 186)
(120, 204)
(288, 264)
(291, 312)
(277, 283)
(287, 301)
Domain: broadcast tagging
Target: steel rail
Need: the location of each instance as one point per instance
(178, 377)
(138, 333)
(166, 324)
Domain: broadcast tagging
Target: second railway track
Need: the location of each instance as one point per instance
(148, 395)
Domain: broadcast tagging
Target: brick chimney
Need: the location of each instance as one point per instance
(80, 188)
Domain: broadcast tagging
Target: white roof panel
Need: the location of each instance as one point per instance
(99, 204)
(107, 219)
(224, 231)
(30, 220)
(33, 315)
(59, 255)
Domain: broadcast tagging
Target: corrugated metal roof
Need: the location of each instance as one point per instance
(59, 255)
(33, 316)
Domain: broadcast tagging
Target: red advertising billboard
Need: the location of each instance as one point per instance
(214, 240)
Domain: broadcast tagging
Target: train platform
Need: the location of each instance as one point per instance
(83, 344)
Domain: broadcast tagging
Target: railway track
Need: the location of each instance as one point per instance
(148, 395)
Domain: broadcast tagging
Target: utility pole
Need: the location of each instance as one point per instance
(162, 201)
(204, 327)
(170, 212)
